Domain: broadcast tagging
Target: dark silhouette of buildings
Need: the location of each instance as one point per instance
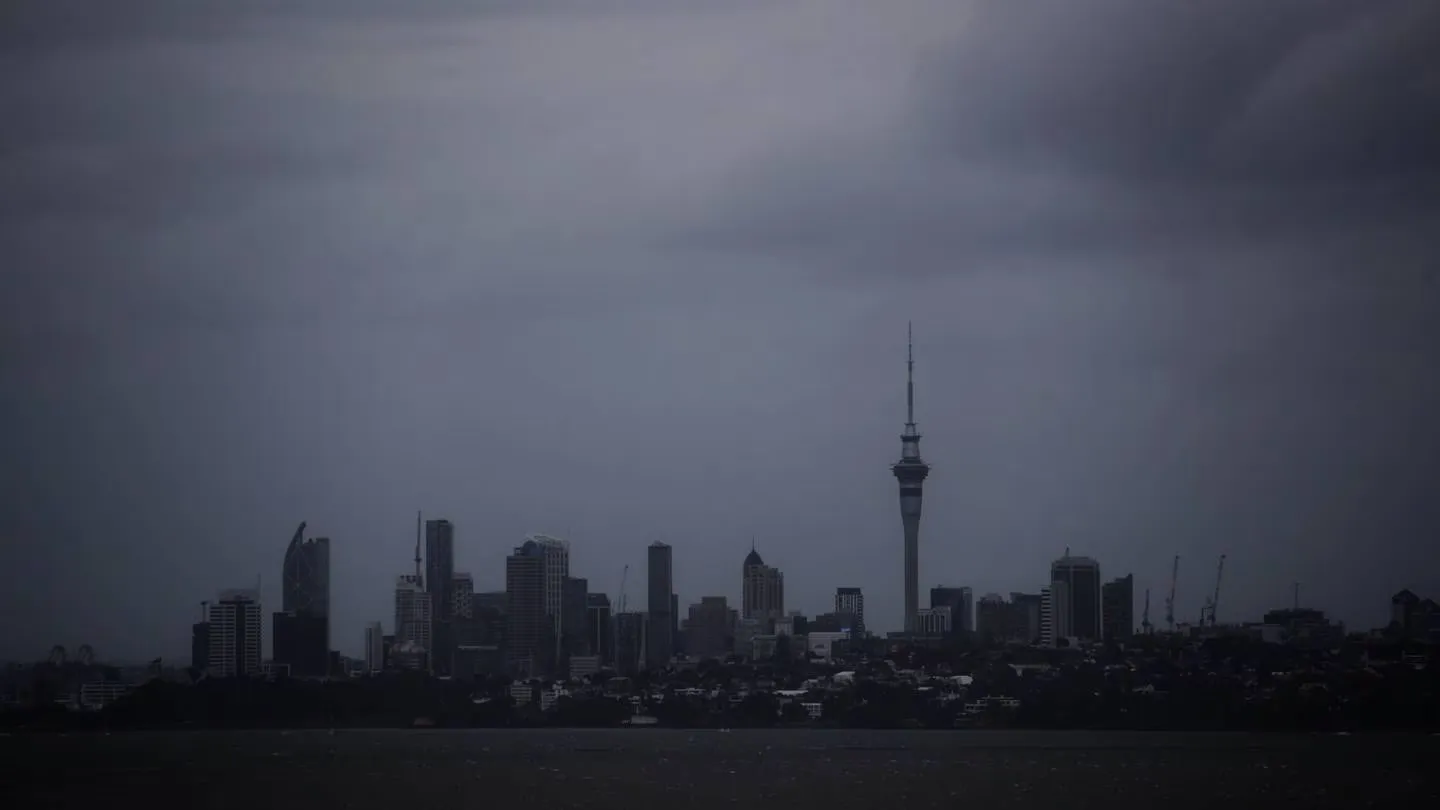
(710, 628)
(961, 602)
(1118, 608)
(852, 601)
(660, 592)
(599, 629)
(525, 618)
(911, 472)
(1075, 590)
(440, 580)
(762, 591)
(300, 631)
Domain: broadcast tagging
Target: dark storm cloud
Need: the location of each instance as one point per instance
(630, 270)
(1075, 129)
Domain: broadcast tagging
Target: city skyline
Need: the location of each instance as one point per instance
(626, 274)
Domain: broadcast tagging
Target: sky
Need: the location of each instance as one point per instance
(632, 270)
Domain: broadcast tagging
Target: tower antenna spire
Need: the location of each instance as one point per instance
(909, 377)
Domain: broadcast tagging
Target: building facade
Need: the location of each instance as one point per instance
(852, 601)
(374, 647)
(660, 590)
(1081, 606)
(763, 591)
(235, 634)
(528, 626)
(1118, 608)
(412, 614)
(440, 580)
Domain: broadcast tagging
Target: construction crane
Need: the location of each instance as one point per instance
(1170, 600)
(1145, 617)
(1215, 600)
(624, 575)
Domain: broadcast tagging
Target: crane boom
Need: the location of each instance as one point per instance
(1215, 600)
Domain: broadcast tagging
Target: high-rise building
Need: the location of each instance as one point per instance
(462, 596)
(1061, 612)
(1047, 618)
(235, 634)
(763, 591)
(630, 637)
(961, 602)
(852, 601)
(709, 630)
(200, 645)
(1118, 607)
(528, 627)
(911, 472)
(599, 629)
(412, 614)
(574, 639)
(1081, 606)
(301, 630)
(557, 567)
(305, 585)
(374, 647)
(440, 580)
(934, 621)
(1027, 608)
(660, 587)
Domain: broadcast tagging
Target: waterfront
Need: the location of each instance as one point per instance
(606, 768)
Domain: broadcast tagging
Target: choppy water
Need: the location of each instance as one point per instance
(650, 769)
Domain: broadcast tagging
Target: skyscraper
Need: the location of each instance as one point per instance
(235, 634)
(763, 591)
(852, 601)
(301, 630)
(440, 576)
(660, 586)
(412, 613)
(374, 647)
(1078, 613)
(557, 567)
(1118, 608)
(528, 627)
(911, 471)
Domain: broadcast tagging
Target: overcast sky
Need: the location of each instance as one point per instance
(621, 271)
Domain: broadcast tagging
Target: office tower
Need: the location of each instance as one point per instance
(709, 630)
(660, 586)
(528, 627)
(301, 629)
(1118, 608)
(235, 634)
(200, 645)
(762, 591)
(961, 602)
(599, 629)
(1081, 605)
(462, 596)
(412, 614)
(1027, 615)
(440, 582)
(574, 640)
(630, 637)
(1047, 619)
(374, 647)
(934, 621)
(911, 472)
(1062, 612)
(851, 601)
